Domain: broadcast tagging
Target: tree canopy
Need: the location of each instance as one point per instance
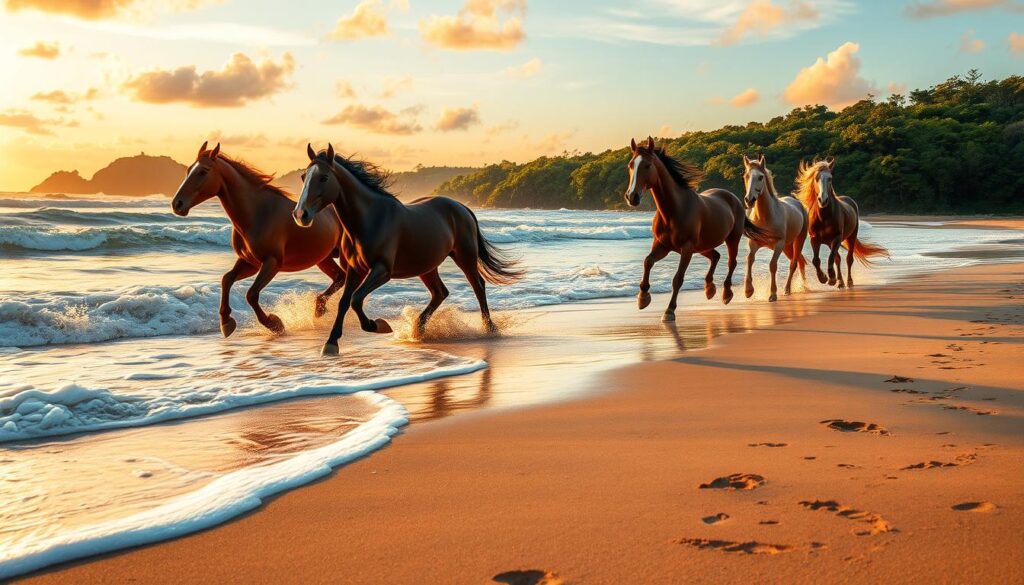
(954, 147)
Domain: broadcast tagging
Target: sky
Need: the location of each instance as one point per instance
(452, 82)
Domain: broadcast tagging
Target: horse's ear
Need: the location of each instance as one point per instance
(650, 144)
(831, 162)
(761, 159)
(215, 151)
(310, 152)
(632, 144)
(746, 161)
(202, 149)
(330, 152)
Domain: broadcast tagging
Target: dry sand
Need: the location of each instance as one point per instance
(796, 454)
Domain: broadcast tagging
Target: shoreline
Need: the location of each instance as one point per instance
(422, 448)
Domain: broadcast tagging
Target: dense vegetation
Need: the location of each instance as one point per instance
(955, 147)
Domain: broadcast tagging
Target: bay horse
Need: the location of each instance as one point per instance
(686, 222)
(387, 239)
(833, 220)
(263, 235)
(783, 216)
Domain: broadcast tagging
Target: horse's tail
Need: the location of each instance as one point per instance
(863, 251)
(495, 266)
(758, 233)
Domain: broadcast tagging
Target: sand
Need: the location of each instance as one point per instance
(870, 435)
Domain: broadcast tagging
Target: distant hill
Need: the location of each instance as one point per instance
(134, 175)
(419, 182)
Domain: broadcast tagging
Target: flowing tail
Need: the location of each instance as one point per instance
(863, 251)
(495, 266)
(758, 234)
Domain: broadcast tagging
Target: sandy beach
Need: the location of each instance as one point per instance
(871, 434)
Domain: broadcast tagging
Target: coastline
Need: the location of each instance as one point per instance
(604, 488)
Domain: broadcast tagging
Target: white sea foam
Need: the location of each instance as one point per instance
(78, 239)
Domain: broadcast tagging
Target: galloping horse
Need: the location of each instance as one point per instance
(783, 216)
(263, 235)
(834, 220)
(686, 222)
(386, 239)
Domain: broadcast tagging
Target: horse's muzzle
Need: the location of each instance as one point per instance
(302, 217)
(633, 199)
(179, 208)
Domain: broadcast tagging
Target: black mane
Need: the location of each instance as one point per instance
(377, 179)
(685, 174)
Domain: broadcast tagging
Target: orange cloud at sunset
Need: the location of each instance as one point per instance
(745, 98)
(834, 81)
(378, 120)
(477, 27)
(368, 20)
(240, 81)
(761, 16)
(458, 119)
(933, 8)
(1016, 41)
(41, 50)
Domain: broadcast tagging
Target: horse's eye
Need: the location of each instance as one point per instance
(202, 172)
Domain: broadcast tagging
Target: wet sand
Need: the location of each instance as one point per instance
(872, 435)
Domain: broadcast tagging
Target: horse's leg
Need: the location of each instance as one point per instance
(791, 254)
(816, 259)
(268, 270)
(677, 282)
(479, 285)
(643, 298)
(352, 280)
(709, 281)
(833, 256)
(329, 267)
(748, 279)
(241, 270)
(733, 246)
(852, 243)
(379, 275)
(438, 293)
(773, 267)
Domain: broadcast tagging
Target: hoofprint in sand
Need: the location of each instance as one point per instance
(834, 443)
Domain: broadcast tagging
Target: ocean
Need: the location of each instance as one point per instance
(109, 337)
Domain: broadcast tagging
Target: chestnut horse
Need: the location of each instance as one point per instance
(386, 239)
(833, 220)
(686, 222)
(263, 235)
(783, 216)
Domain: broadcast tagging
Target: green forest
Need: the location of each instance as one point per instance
(957, 147)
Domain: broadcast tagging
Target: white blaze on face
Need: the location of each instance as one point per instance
(634, 170)
(188, 175)
(304, 197)
(824, 185)
(755, 183)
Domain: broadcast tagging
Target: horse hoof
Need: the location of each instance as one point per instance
(668, 317)
(329, 349)
(749, 291)
(831, 282)
(382, 326)
(492, 329)
(822, 279)
(321, 307)
(228, 326)
(643, 299)
(727, 297)
(841, 285)
(710, 290)
(274, 324)
(773, 298)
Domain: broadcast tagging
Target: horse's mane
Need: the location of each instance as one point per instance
(255, 176)
(685, 174)
(379, 180)
(805, 191)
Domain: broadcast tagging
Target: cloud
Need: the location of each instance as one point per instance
(933, 8)
(240, 81)
(761, 17)
(1016, 41)
(41, 50)
(458, 119)
(552, 143)
(395, 85)
(378, 120)
(61, 97)
(26, 121)
(897, 88)
(97, 9)
(477, 26)
(368, 20)
(969, 44)
(528, 69)
(834, 81)
(501, 128)
(745, 98)
(345, 90)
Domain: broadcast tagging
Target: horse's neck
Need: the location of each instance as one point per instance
(242, 201)
(357, 203)
(671, 198)
(767, 205)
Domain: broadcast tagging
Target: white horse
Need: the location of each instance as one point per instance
(784, 217)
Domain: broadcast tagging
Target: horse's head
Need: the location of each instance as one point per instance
(755, 179)
(823, 181)
(320, 186)
(201, 181)
(642, 173)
